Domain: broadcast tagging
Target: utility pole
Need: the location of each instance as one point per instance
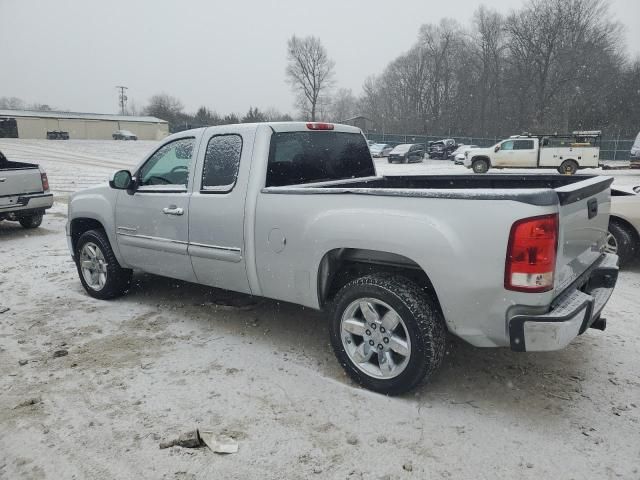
(122, 98)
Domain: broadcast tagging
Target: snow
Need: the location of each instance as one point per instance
(171, 356)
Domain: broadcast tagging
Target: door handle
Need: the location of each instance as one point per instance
(172, 210)
(2, 180)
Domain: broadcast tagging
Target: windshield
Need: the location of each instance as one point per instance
(307, 157)
(402, 148)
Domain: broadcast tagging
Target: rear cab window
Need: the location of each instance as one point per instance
(523, 145)
(307, 157)
(221, 163)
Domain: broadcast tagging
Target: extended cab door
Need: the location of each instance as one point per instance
(216, 224)
(152, 220)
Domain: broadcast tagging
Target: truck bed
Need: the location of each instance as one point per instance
(532, 189)
(9, 165)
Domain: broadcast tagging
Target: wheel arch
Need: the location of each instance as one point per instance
(341, 265)
(80, 225)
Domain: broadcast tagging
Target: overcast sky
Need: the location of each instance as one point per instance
(227, 55)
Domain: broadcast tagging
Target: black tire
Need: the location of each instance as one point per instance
(422, 319)
(568, 167)
(480, 165)
(32, 221)
(389, 160)
(625, 242)
(118, 279)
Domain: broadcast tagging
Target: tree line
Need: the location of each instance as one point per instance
(553, 65)
(550, 66)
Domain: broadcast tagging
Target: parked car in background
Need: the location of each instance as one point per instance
(57, 135)
(24, 192)
(124, 135)
(567, 153)
(380, 150)
(624, 224)
(442, 148)
(371, 143)
(407, 153)
(458, 155)
(634, 156)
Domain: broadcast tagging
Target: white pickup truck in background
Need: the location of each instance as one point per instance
(566, 153)
(24, 192)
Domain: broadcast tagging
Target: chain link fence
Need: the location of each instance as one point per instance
(611, 149)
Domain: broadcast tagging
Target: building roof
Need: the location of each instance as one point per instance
(78, 116)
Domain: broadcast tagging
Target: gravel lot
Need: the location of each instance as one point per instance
(172, 356)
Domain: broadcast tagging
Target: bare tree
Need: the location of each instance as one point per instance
(309, 71)
(165, 107)
(343, 105)
(12, 103)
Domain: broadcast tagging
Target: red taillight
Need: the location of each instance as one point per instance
(45, 182)
(319, 126)
(531, 254)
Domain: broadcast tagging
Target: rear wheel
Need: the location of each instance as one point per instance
(568, 167)
(387, 333)
(480, 166)
(32, 221)
(100, 273)
(621, 241)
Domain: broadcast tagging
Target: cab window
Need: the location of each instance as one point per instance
(508, 145)
(523, 145)
(221, 163)
(169, 165)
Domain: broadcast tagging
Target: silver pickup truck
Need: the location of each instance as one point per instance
(296, 212)
(24, 192)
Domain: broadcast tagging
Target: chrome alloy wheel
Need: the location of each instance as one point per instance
(611, 244)
(375, 338)
(93, 266)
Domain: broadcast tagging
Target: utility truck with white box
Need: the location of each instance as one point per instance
(296, 212)
(566, 153)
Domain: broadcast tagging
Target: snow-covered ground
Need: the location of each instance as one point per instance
(171, 356)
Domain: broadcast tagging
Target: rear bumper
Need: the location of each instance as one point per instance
(28, 203)
(570, 314)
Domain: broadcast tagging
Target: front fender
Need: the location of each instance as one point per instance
(97, 203)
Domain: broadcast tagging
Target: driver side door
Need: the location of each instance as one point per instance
(504, 157)
(152, 219)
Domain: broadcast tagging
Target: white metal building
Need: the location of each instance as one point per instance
(96, 126)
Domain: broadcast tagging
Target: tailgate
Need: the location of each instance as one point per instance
(20, 181)
(584, 220)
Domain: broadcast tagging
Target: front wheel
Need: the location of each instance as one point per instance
(387, 333)
(32, 221)
(480, 166)
(100, 273)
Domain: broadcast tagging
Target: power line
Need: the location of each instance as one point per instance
(122, 98)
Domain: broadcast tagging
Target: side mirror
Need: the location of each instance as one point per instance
(497, 148)
(121, 180)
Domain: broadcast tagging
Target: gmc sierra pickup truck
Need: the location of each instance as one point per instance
(24, 192)
(296, 212)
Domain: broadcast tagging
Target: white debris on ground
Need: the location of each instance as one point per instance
(171, 355)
